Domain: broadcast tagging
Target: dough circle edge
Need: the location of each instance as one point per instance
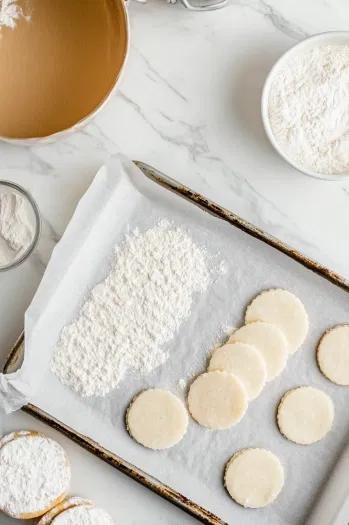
(241, 498)
(324, 358)
(274, 369)
(177, 406)
(193, 399)
(290, 435)
(258, 363)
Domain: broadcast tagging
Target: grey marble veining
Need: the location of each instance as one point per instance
(189, 104)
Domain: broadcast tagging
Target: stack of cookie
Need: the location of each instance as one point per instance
(34, 482)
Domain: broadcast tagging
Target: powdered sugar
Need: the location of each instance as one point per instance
(309, 109)
(13, 435)
(84, 515)
(16, 227)
(34, 472)
(133, 312)
(68, 503)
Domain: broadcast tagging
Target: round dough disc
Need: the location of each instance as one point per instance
(217, 400)
(157, 419)
(305, 415)
(333, 355)
(269, 340)
(254, 477)
(284, 310)
(243, 361)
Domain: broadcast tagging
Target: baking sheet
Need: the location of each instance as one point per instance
(119, 200)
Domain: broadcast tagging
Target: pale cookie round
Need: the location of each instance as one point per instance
(75, 512)
(64, 505)
(243, 361)
(217, 400)
(305, 415)
(34, 474)
(269, 340)
(333, 355)
(157, 419)
(254, 477)
(284, 310)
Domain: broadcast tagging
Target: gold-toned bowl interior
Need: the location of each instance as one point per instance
(58, 64)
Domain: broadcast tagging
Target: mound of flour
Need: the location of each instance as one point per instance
(136, 310)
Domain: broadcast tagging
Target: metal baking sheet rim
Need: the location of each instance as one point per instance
(127, 468)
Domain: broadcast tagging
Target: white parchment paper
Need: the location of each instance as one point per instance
(120, 199)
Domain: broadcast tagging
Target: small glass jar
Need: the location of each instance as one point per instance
(33, 216)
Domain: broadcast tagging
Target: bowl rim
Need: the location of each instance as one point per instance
(326, 35)
(38, 224)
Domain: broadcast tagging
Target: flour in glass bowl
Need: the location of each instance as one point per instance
(16, 227)
(309, 109)
(130, 316)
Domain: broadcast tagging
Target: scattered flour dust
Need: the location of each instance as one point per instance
(10, 13)
(134, 312)
(182, 383)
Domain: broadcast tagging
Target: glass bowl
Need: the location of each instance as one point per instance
(34, 217)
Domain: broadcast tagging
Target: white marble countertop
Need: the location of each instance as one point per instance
(189, 104)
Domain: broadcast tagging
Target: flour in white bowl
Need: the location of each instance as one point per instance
(16, 227)
(134, 312)
(309, 109)
(34, 474)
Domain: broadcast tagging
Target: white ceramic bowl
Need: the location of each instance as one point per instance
(331, 37)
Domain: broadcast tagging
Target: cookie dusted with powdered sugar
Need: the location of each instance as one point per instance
(34, 474)
(76, 511)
